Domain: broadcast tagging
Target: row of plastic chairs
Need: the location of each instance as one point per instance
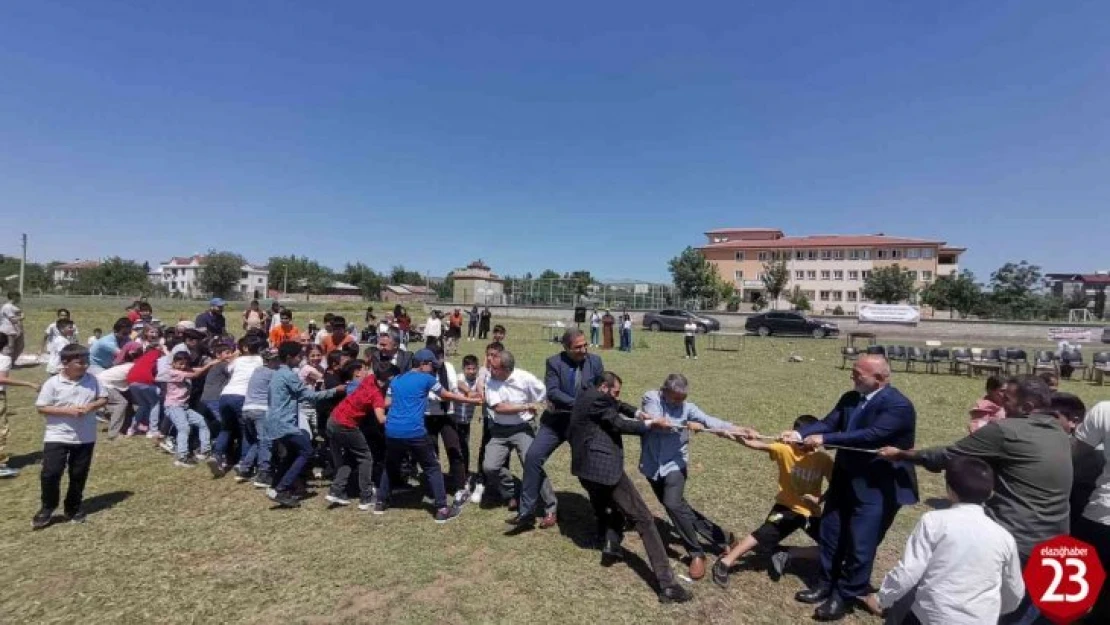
(972, 360)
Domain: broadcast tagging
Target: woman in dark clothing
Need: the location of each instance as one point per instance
(483, 324)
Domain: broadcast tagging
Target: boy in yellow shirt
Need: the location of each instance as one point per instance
(797, 505)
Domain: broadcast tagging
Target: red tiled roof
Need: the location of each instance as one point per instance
(822, 240)
(81, 264)
(724, 230)
(1085, 278)
(186, 260)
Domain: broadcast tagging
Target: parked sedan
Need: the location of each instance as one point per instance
(675, 321)
(776, 322)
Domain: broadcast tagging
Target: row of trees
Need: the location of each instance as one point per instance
(1015, 290)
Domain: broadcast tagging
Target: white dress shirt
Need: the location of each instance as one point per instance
(520, 387)
(1095, 431)
(963, 566)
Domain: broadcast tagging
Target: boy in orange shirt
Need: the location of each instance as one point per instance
(338, 336)
(797, 505)
(284, 331)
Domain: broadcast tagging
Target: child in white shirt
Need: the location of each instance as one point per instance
(56, 343)
(689, 331)
(959, 567)
(69, 401)
(5, 381)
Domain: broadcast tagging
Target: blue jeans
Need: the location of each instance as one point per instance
(146, 403)
(1026, 613)
(256, 453)
(535, 479)
(231, 415)
(183, 420)
(626, 340)
(425, 454)
(298, 450)
(594, 335)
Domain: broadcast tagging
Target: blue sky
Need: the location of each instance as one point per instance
(604, 136)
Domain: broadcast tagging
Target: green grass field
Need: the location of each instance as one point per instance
(170, 545)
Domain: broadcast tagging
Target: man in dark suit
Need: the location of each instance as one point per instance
(566, 375)
(865, 491)
(597, 421)
(389, 351)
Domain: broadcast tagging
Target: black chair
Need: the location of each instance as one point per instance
(1016, 359)
(1072, 361)
(989, 360)
(961, 357)
(916, 355)
(1100, 366)
(877, 349)
(846, 354)
(937, 356)
(1044, 360)
(895, 353)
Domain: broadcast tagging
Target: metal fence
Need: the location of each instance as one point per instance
(566, 293)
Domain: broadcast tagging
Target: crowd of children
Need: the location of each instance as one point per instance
(280, 406)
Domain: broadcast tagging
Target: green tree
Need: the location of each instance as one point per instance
(445, 288)
(114, 276)
(775, 277)
(799, 301)
(399, 275)
(366, 279)
(956, 293)
(888, 285)
(1014, 290)
(1076, 299)
(302, 274)
(582, 281)
(36, 277)
(220, 274)
(1100, 304)
(696, 278)
(549, 274)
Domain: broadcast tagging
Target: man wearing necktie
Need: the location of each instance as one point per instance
(567, 373)
(865, 491)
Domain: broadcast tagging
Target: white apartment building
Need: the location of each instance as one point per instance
(181, 275)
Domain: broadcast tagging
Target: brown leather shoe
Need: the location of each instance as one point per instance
(548, 521)
(697, 567)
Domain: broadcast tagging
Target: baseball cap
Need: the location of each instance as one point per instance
(217, 301)
(425, 355)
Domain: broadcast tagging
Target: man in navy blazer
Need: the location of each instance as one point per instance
(865, 491)
(568, 373)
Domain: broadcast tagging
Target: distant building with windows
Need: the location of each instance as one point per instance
(181, 276)
(829, 269)
(66, 273)
(1068, 285)
(477, 284)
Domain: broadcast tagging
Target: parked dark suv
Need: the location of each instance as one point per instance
(776, 322)
(674, 320)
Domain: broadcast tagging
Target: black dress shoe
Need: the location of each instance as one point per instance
(611, 553)
(675, 594)
(518, 520)
(813, 595)
(833, 609)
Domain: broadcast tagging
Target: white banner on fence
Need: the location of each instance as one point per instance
(889, 313)
(1072, 335)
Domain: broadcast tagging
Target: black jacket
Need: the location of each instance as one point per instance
(596, 425)
(404, 359)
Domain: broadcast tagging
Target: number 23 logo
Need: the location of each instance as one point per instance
(1079, 577)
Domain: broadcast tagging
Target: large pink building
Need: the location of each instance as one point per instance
(828, 268)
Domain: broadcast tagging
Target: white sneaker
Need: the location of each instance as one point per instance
(339, 501)
(168, 445)
(271, 493)
(476, 496)
(6, 471)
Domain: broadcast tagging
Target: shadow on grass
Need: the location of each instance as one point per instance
(105, 501)
(25, 460)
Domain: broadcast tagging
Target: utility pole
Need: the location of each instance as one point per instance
(285, 282)
(23, 264)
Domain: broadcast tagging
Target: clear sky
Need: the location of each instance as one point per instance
(598, 135)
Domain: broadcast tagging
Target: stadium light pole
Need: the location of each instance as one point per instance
(23, 263)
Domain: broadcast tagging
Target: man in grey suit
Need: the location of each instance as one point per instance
(597, 421)
(566, 375)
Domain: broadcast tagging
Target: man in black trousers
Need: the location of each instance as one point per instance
(597, 422)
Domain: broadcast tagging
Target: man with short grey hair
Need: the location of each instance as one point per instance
(512, 396)
(664, 455)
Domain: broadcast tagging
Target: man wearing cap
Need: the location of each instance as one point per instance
(212, 321)
(405, 432)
